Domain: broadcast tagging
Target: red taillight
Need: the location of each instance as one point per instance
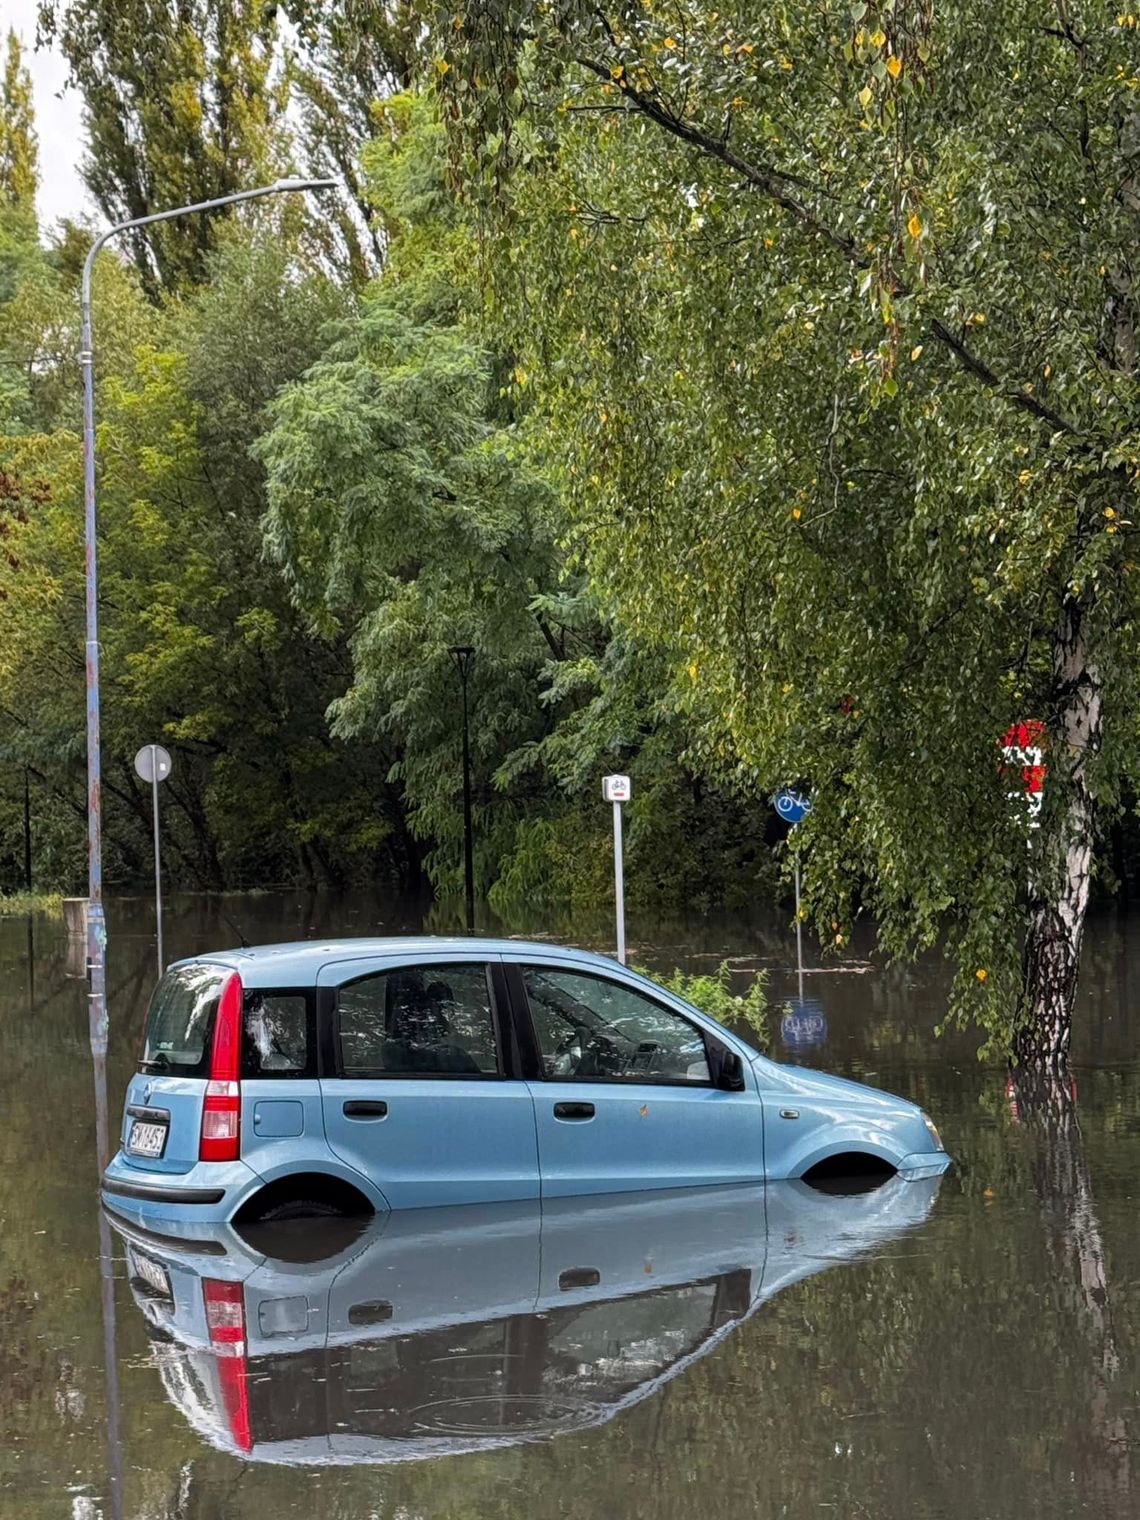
(225, 1321)
(221, 1112)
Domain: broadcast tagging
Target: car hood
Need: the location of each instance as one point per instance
(820, 1084)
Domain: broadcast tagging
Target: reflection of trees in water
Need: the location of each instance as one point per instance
(1047, 1105)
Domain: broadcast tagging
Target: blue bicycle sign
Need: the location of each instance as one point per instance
(792, 807)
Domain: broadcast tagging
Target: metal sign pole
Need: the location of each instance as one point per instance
(157, 854)
(616, 789)
(619, 884)
(152, 764)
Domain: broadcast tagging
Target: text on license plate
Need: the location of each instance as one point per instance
(155, 1276)
(146, 1139)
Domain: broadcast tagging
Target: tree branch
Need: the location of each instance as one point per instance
(1022, 399)
(764, 176)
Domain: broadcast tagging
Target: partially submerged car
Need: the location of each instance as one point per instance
(367, 1075)
(461, 1329)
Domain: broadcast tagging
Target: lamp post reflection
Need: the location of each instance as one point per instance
(98, 1032)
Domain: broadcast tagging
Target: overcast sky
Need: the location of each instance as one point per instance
(57, 120)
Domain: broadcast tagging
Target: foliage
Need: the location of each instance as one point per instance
(833, 320)
(201, 647)
(17, 904)
(181, 104)
(406, 516)
(19, 167)
(711, 992)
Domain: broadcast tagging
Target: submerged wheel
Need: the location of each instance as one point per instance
(299, 1208)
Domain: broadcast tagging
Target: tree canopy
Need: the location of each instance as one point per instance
(833, 315)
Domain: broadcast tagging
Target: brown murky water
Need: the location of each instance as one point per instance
(968, 1350)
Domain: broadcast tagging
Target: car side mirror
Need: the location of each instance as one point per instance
(729, 1071)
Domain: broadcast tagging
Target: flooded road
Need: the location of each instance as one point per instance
(968, 1349)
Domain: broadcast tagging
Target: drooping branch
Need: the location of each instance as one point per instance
(765, 177)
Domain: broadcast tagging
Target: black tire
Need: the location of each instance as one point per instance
(300, 1208)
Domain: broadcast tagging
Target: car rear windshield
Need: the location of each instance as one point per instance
(181, 1019)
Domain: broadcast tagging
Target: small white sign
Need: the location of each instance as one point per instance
(616, 788)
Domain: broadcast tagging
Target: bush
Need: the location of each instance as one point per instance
(712, 993)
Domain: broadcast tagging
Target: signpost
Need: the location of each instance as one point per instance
(616, 789)
(152, 764)
(793, 807)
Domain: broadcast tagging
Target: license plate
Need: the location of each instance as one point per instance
(156, 1278)
(146, 1139)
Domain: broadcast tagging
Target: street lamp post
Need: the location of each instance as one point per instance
(96, 921)
(462, 654)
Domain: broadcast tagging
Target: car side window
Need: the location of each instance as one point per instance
(591, 1028)
(431, 1020)
(276, 1035)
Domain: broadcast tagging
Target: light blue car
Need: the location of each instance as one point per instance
(466, 1329)
(368, 1075)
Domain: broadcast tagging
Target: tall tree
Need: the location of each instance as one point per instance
(181, 104)
(835, 313)
(19, 152)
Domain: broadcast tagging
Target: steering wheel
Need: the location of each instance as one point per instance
(566, 1058)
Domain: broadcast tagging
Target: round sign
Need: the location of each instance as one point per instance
(805, 1023)
(792, 806)
(152, 763)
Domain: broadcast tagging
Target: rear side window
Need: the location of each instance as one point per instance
(180, 1021)
(276, 1035)
(419, 1021)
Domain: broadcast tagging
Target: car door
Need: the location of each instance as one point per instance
(419, 1088)
(623, 1088)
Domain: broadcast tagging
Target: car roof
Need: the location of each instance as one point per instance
(298, 962)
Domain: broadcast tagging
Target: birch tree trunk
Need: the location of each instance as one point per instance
(1059, 887)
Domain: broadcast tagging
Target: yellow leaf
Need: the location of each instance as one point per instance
(670, 42)
(916, 351)
(745, 47)
(981, 973)
(1025, 477)
(1109, 512)
(865, 96)
(796, 514)
(914, 226)
(878, 37)
(442, 65)
(693, 671)
(894, 66)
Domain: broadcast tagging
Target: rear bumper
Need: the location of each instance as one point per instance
(208, 1193)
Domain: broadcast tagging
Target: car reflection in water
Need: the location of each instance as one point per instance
(437, 1331)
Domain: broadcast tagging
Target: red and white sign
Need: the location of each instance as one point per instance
(1023, 747)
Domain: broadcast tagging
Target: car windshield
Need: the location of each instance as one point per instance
(180, 1019)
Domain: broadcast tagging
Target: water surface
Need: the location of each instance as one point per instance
(972, 1353)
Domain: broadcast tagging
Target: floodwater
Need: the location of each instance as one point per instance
(968, 1349)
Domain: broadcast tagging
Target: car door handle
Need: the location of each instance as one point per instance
(789, 1113)
(365, 1108)
(573, 1110)
(578, 1277)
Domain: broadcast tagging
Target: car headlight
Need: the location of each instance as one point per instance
(932, 1130)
